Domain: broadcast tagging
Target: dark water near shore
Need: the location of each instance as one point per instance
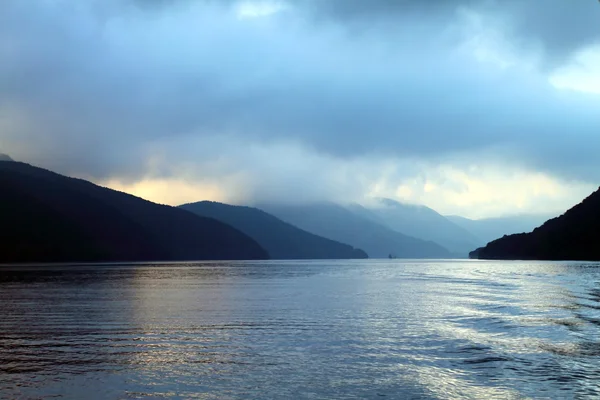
(303, 330)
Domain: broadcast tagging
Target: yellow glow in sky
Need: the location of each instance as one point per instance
(172, 192)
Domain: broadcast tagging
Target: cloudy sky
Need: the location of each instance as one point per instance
(473, 107)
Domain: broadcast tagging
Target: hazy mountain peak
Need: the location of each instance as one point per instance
(357, 226)
(387, 202)
(421, 222)
(281, 239)
(5, 157)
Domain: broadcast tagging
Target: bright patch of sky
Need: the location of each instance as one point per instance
(582, 73)
(257, 9)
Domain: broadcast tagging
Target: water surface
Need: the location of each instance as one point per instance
(304, 330)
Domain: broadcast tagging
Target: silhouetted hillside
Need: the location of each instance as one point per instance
(421, 222)
(46, 217)
(280, 239)
(338, 223)
(573, 236)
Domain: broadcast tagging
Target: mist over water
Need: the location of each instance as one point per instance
(320, 329)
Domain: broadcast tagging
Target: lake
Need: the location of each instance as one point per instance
(371, 329)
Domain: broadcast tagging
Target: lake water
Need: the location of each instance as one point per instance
(302, 330)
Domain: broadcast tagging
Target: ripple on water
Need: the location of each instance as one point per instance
(358, 329)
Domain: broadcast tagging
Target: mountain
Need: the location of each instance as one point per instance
(280, 239)
(338, 223)
(421, 222)
(5, 157)
(489, 229)
(46, 217)
(572, 236)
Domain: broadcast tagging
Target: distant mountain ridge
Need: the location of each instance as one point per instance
(420, 222)
(341, 224)
(575, 235)
(47, 217)
(281, 239)
(489, 229)
(5, 157)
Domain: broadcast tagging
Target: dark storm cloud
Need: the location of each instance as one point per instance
(97, 87)
(367, 10)
(560, 27)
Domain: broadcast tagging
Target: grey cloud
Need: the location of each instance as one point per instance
(100, 87)
(559, 27)
(367, 10)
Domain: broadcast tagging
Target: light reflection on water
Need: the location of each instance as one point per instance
(351, 329)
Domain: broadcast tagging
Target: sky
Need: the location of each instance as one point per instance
(478, 108)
